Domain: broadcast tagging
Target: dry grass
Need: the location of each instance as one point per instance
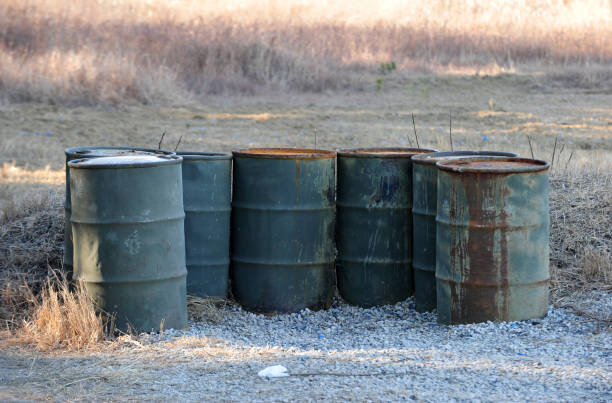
(206, 309)
(87, 52)
(31, 246)
(581, 234)
(63, 318)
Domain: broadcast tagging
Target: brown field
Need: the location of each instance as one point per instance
(100, 52)
(258, 74)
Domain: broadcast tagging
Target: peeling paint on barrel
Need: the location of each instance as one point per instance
(128, 229)
(282, 237)
(492, 240)
(374, 228)
(424, 185)
(90, 152)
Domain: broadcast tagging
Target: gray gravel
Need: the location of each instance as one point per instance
(389, 353)
(395, 353)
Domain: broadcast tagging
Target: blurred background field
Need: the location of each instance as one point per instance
(222, 75)
(88, 52)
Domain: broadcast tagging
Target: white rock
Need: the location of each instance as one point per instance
(275, 371)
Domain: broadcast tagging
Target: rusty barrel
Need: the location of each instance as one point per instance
(282, 238)
(207, 202)
(374, 230)
(492, 240)
(424, 205)
(90, 152)
(127, 224)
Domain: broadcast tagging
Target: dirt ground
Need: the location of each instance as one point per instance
(488, 113)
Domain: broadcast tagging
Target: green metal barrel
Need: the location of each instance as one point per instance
(207, 200)
(492, 240)
(374, 230)
(129, 237)
(282, 247)
(90, 152)
(424, 195)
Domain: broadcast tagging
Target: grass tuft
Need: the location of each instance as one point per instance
(205, 309)
(63, 319)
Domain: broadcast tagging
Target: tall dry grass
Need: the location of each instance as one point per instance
(63, 318)
(92, 51)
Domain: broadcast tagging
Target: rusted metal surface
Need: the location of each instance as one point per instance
(492, 240)
(207, 202)
(374, 229)
(127, 223)
(90, 152)
(282, 238)
(425, 188)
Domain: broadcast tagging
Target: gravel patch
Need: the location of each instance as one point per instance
(389, 353)
(395, 353)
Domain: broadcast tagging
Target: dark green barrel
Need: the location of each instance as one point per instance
(90, 152)
(492, 240)
(424, 195)
(282, 253)
(129, 237)
(207, 200)
(374, 231)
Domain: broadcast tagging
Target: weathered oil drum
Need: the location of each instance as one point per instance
(207, 201)
(90, 152)
(129, 237)
(282, 239)
(492, 240)
(374, 228)
(424, 195)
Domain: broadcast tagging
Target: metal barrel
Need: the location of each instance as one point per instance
(424, 195)
(492, 240)
(129, 237)
(282, 239)
(90, 152)
(374, 229)
(207, 202)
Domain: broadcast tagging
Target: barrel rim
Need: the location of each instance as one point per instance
(459, 165)
(433, 158)
(87, 151)
(98, 163)
(203, 156)
(383, 152)
(283, 153)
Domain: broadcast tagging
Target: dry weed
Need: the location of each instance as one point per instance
(89, 52)
(206, 309)
(31, 243)
(581, 233)
(63, 318)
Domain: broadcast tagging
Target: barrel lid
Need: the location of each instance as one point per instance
(125, 161)
(110, 151)
(202, 156)
(493, 165)
(433, 158)
(384, 152)
(283, 153)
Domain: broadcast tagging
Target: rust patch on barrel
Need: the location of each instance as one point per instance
(481, 255)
